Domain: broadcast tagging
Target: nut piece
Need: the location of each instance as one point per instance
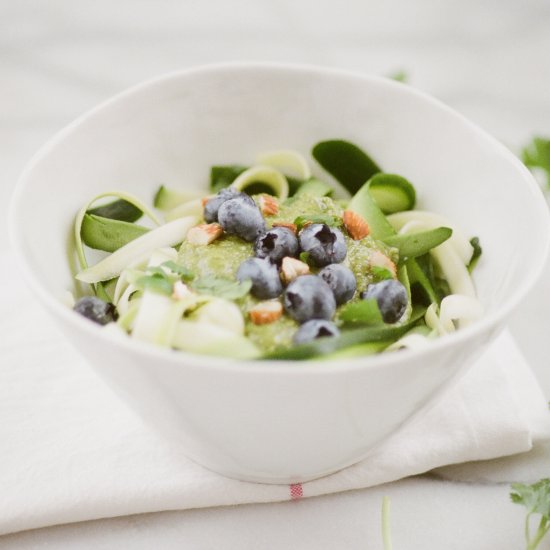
(180, 291)
(204, 234)
(293, 227)
(378, 259)
(269, 205)
(266, 312)
(292, 268)
(356, 225)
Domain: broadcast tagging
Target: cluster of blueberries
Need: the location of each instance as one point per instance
(309, 299)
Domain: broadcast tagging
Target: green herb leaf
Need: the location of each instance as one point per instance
(537, 155)
(108, 234)
(224, 175)
(536, 498)
(156, 283)
(120, 209)
(411, 245)
(364, 312)
(221, 287)
(184, 273)
(351, 166)
(327, 219)
(476, 255)
(381, 273)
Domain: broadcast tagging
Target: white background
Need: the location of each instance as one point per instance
(488, 59)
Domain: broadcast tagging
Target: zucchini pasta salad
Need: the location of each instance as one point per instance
(269, 264)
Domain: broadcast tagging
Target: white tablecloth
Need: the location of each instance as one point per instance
(489, 60)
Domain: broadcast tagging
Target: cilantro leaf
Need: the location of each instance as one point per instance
(537, 155)
(222, 287)
(156, 283)
(536, 498)
(161, 279)
(184, 273)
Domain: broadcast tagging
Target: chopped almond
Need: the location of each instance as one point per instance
(204, 200)
(204, 234)
(293, 227)
(180, 291)
(381, 260)
(269, 205)
(266, 312)
(292, 268)
(356, 225)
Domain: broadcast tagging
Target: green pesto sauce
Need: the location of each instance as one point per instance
(358, 259)
(223, 256)
(220, 258)
(305, 205)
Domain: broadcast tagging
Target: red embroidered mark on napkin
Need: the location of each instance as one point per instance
(296, 491)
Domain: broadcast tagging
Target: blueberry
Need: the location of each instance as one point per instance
(325, 245)
(212, 206)
(96, 310)
(341, 280)
(240, 216)
(264, 275)
(276, 243)
(309, 297)
(316, 328)
(391, 297)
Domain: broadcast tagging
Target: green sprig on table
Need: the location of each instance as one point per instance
(536, 498)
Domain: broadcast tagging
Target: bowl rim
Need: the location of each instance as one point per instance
(488, 322)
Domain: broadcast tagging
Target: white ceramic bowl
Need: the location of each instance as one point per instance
(278, 422)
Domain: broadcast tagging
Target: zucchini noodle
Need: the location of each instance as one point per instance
(138, 250)
(286, 161)
(446, 256)
(429, 220)
(263, 174)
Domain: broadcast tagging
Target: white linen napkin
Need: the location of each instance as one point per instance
(71, 451)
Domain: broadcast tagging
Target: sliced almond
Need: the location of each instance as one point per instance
(293, 227)
(292, 268)
(204, 234)
(378, 259)
(204, 200)
(266, 312)
(269, 205)
(356, 225)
